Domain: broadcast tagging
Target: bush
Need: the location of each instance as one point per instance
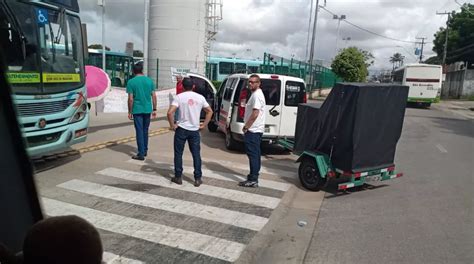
(217, 84)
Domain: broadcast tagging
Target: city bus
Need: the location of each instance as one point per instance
(219, 68)
(45, 67)
(118, 65)
(424, 81)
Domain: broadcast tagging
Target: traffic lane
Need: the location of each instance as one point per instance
(423, 217)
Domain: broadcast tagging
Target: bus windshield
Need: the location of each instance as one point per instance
(45, 48)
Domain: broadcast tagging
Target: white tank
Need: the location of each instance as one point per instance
(176, 38)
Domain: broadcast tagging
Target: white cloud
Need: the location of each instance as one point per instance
(280, 26)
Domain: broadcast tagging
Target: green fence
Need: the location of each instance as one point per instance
(323, 77)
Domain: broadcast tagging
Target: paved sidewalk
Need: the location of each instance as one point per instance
(458, 107)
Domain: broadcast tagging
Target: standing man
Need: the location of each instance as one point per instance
(141, 103)
(187, 128)
(254, 126)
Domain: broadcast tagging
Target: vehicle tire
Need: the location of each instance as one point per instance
(212, 126)
(426, 105)
(230, 142)
(309, 175)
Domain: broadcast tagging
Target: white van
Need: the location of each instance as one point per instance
(282, 95)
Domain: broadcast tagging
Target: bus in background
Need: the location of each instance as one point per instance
(48, 83)
(424, 81)
(118, 65)
(218, 69)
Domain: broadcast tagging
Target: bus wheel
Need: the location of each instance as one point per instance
(309, 175)
(426, 105)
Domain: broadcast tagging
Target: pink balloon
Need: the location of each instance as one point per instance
(97, 83)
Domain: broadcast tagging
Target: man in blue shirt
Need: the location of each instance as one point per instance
(141, 103)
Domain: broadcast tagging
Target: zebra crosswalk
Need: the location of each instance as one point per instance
(144, 218)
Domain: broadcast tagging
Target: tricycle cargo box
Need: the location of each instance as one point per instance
(358, 125)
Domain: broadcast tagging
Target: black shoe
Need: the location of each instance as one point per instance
(247, 183)
(136, 157)
(146, 154)
(177, 180)
(197, 183)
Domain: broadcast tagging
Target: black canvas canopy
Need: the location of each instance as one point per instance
(358, 125)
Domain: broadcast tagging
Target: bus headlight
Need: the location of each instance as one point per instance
(80, 114)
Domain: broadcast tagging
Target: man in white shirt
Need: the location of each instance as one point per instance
(187, 128)
(254, 120)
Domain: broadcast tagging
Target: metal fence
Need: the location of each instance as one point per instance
(322, 77)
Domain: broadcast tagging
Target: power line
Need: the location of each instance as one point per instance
(368, 31)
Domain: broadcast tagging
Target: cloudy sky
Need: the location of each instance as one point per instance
(251, 27)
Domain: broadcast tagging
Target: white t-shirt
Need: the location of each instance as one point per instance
(256, 101)
(190, 105)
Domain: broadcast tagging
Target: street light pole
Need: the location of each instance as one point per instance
(339, 18)
(102, 4)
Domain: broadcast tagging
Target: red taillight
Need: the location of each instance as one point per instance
(331, 174)
(391, 168)
(242, 102)
(274, 77)
(305, 98)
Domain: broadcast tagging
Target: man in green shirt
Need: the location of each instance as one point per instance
(141, 103)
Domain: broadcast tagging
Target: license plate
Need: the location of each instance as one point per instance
(373, 178)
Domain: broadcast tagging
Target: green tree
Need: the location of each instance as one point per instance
(98, 46)
(460, 36)
(397, 60)
(352, 64)
(433, 60)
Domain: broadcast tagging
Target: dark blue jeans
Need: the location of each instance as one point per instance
(142, 124)
(252, 147)
(182, 135)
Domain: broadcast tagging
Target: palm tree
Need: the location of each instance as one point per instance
(397, 58)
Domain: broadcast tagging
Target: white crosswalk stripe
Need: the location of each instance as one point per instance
(234, 195)
(290, 171)
(111, 258)
(225, 216)
(173, 237)
(281, 186)
(218, 229)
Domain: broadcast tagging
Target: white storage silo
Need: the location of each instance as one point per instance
(176, 38)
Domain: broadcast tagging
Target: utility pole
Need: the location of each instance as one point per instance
(447, 33)
(422, 45)
(309, 28)
(311, 53)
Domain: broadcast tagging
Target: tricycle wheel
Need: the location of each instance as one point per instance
(309, 175)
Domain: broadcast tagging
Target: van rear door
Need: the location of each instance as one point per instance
(295, 94)
(225, 110)
(272, 88)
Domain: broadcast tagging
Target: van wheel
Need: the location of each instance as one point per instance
(309, 175)
(212, 126)
(230, 142)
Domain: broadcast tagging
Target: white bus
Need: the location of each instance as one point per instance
(424, 81)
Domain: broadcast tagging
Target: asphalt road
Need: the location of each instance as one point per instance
(424, 217)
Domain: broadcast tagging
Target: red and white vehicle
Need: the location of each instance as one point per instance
(282, 95)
